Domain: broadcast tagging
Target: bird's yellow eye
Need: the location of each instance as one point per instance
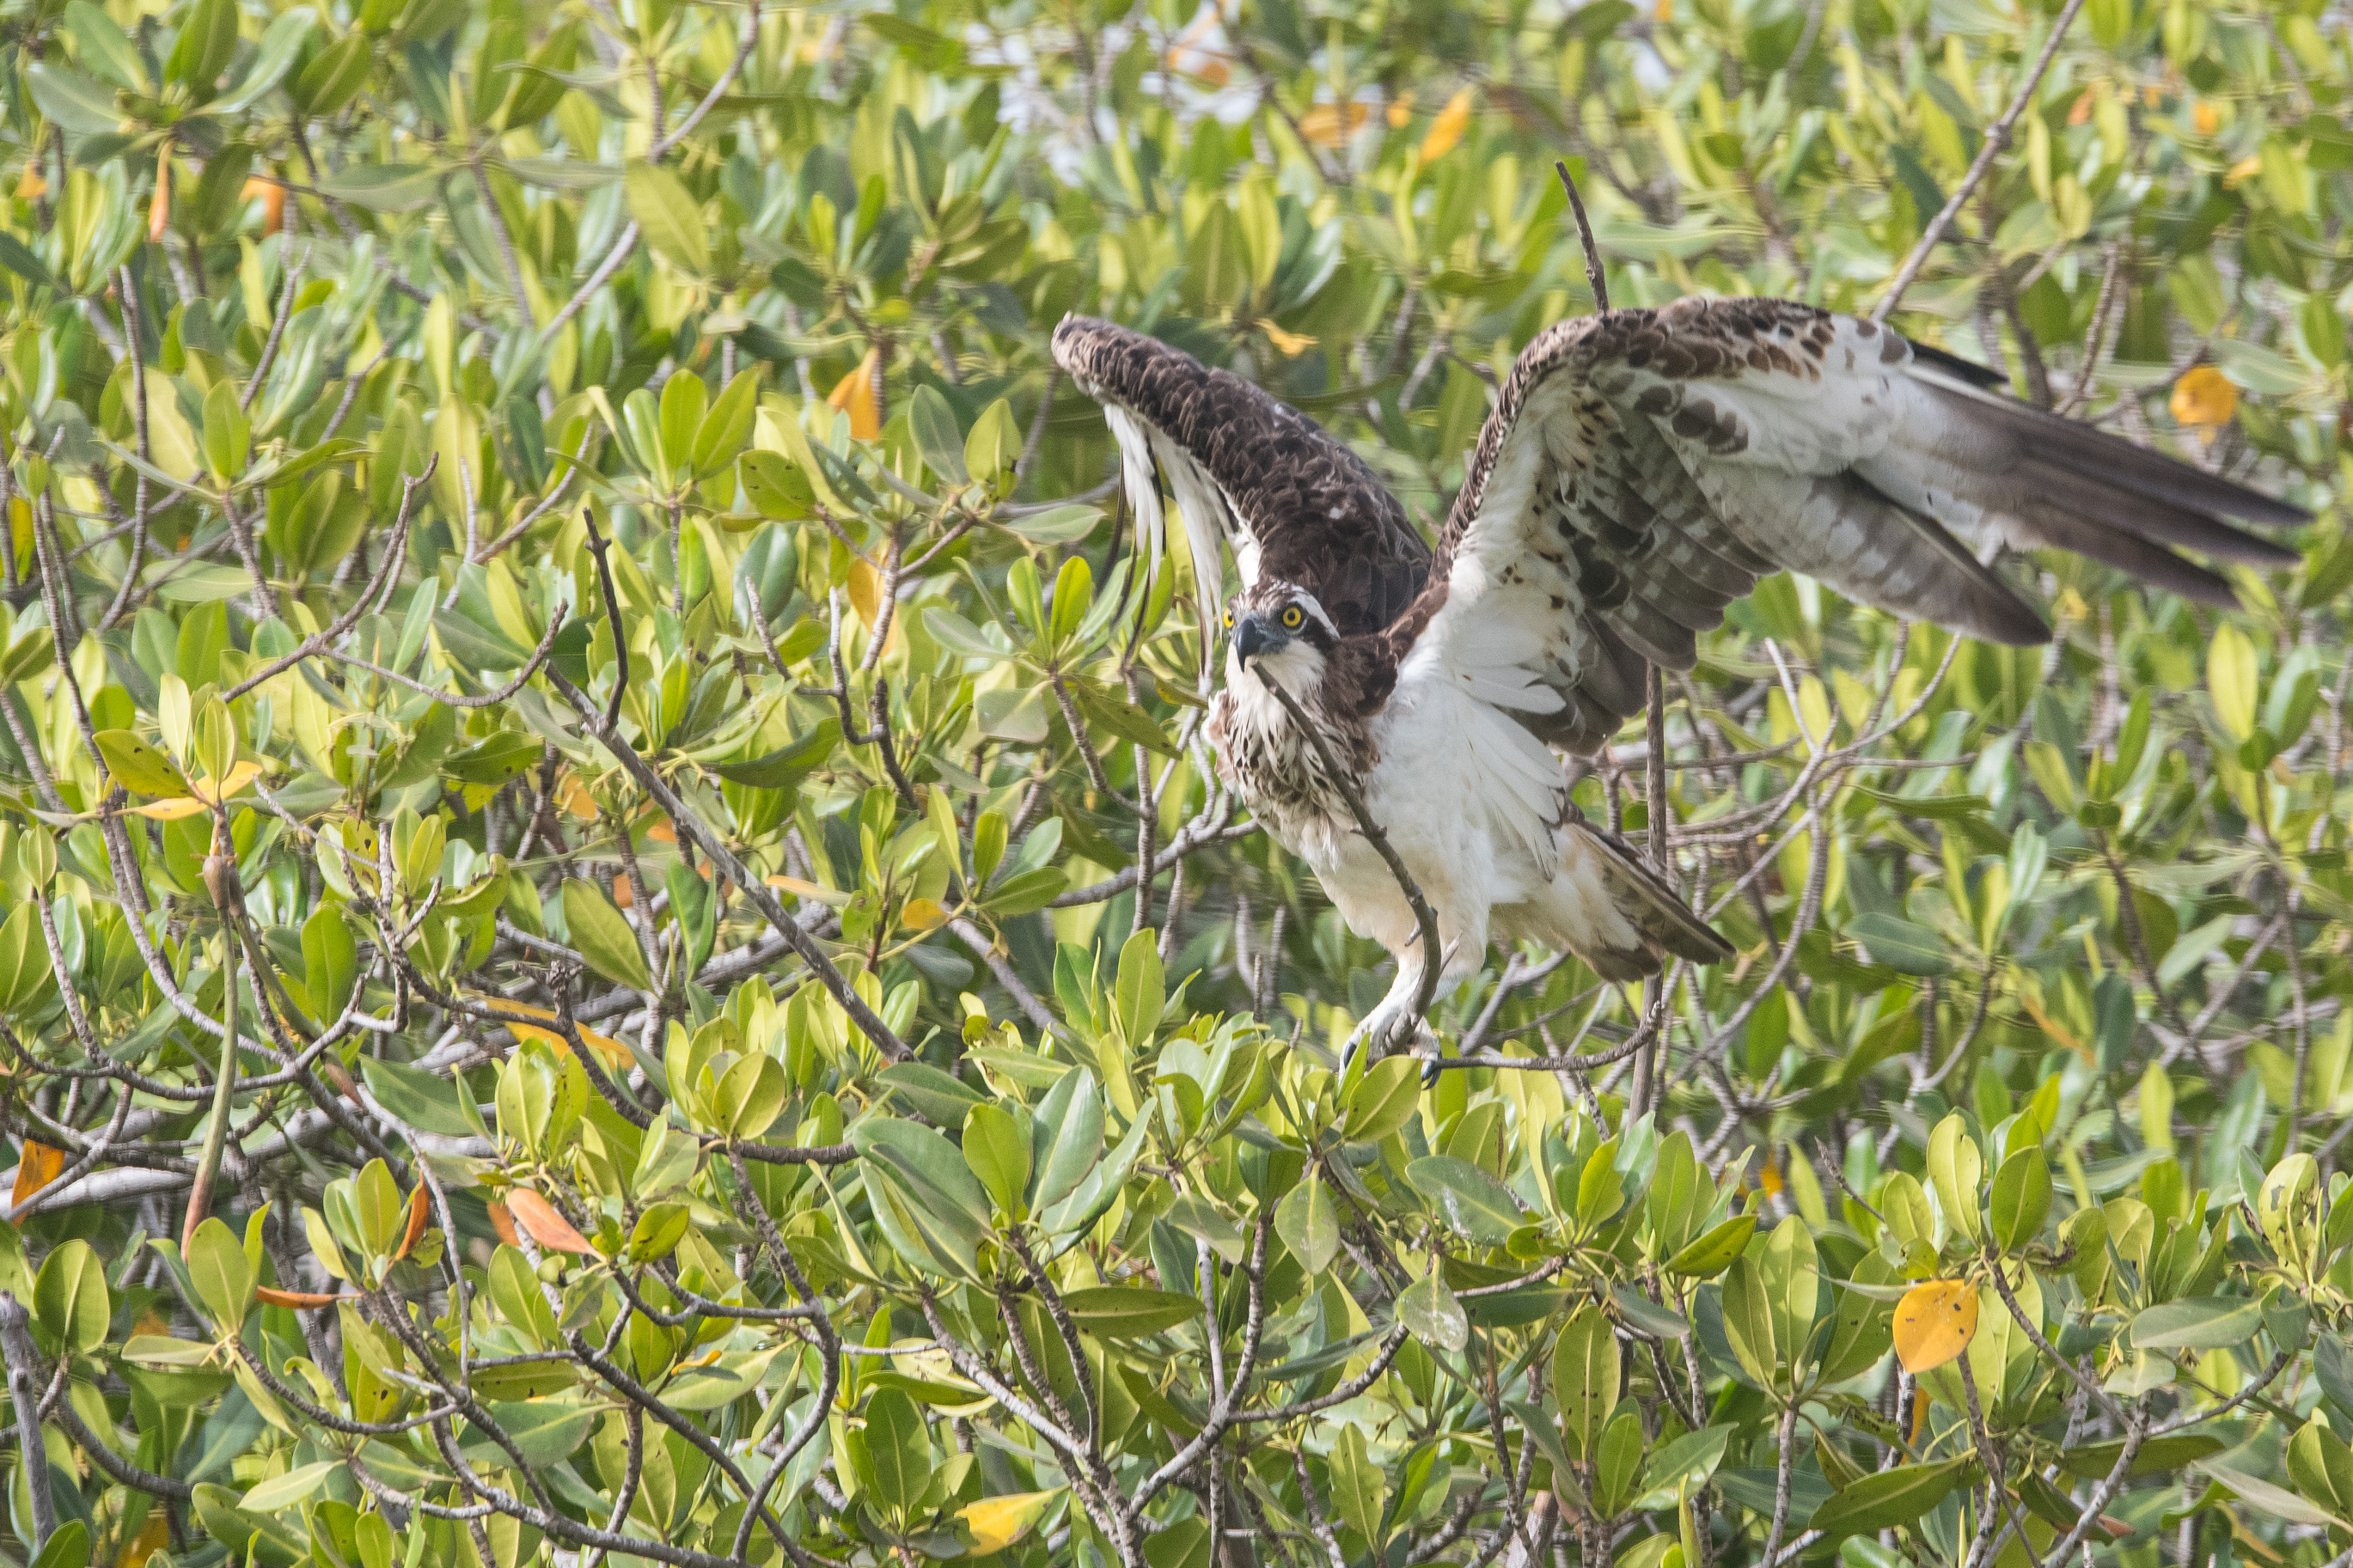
(1230, 620)
(1293, 618)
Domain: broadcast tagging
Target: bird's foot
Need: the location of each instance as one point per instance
(1387, 1030)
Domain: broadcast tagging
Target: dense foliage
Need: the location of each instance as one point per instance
(581, 730)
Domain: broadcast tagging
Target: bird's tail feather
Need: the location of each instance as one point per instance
(1666, 925)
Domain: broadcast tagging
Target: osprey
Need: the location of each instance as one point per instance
(1640, 470)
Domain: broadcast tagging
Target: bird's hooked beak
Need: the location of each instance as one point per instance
(1253, 636)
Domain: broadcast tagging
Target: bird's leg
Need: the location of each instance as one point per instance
(1392, 1025)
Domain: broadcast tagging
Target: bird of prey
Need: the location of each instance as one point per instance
(1641, 469)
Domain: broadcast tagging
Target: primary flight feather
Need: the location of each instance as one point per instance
(1640, 471)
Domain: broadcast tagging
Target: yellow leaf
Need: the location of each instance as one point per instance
(611, 1049)
(2206, 117)
(997, 1523)
(1447, 130)
(2245, 169)
(801, 890)
(1934, 1322)
(1293, 345)
(866, 598)
(242, 774)
(1400, 112)
(2230, 681)
(924, 914)
(1333, 125)
(2204, 395)
(36, 1167)
(860, 395)
(169, 810)
(149, 1542)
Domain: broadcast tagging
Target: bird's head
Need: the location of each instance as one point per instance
(1278, 628)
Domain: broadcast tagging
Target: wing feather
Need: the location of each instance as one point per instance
(1250, 474)
(1643, 468)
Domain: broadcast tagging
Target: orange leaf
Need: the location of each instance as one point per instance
(417, 1211)
(39, 1165)
(1447, 130)
(860, 394)
(662, 833)
(1326, 125)
(622, 896)
(1934, 1322)
(1400, 112)
(270, 1295)
(2204, 395)
(502, 1221)
(273, 202)
(31, 187)
(2206, 117)
(544, 1225)
(159, 210)
(575, 797)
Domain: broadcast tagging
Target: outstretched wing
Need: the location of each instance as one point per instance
(1250, 474)
(1643, 468)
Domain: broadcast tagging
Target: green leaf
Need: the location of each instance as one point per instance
(1906, 948)
(384, 188)
(1713, 1253)
(2021, 1198)
(992, 448)
(1309, 1222)
(1066, 1138)
(1585, 1377)
(670, 218)
(282, 1492)
(2199, 1323)
(934, 426)
(1432, 1314)
(1886, 1499)
(1475, 1204)
(139, 766)
(1141, 992)
(603, 936)
(70, 1304)
(941, 1097)
(421, 1097)
(1954, 1168)
(68, 1546)
(1359, 1486)
(331, 963)
(2158, 1456)
(999, 1154)
(224, 1279)
(71, 99)
(752, 1094)
(1384, 1100)
(1129, 1312)
(99, 44)
(2276, 1501)
(898, 1449)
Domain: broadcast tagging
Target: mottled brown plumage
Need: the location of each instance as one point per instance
(1641, 469)
(1316, 511)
